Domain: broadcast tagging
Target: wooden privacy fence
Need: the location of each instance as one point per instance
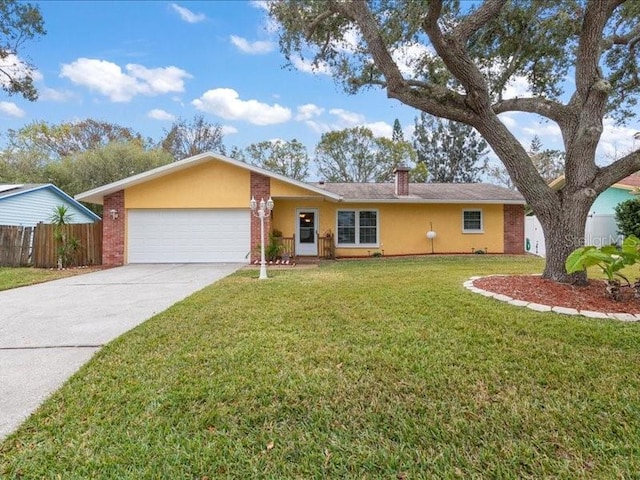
(15, 245)
(87, 235)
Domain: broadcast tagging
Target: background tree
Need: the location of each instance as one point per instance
(355, 155)
(187, 138)
(54, 142)
(452, 152)
(19, 22)
(286, 158)
(92, 168)
(469, 56)
(549, 163)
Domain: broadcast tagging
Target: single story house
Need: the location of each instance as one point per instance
(197, 210)
(29, 204)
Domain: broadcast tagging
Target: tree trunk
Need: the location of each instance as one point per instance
(563, 233)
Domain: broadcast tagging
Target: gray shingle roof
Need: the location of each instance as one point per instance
(11, 189)
(435, 192)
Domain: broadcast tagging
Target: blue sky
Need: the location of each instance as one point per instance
(144, 64)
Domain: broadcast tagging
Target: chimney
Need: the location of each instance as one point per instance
(402, 180)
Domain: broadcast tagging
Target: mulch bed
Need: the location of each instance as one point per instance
(532, 288)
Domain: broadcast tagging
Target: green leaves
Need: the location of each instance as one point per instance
(610, 259)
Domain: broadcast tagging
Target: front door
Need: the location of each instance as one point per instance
(306, 231)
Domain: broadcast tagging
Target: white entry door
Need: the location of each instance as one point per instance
(306, 231)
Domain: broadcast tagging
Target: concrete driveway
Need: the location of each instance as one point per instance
(48, 331)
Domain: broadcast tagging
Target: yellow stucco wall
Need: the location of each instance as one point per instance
(281, 189)
(209, 185)
(403, 228)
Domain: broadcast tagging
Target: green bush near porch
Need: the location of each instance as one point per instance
(386, 368)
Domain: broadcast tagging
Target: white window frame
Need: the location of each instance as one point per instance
(473, 230)
(357, 243)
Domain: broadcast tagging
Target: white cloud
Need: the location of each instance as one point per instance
(517, 87)
(307, 66)
(380, 129)
(53, 95)
(616, 141)
(260, 4)
(408, 57)
(253, 48)
(11, 109)
(187, 15)
(547, 131)
(159, 114)
(344, 119)
(228, 130)
(108, 78)
(347, 118)
(308, 111)
(508, 121)
(226, 103)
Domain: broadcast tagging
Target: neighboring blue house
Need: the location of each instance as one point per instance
(29, 204)
(620, 192)
(607, 201)
(601, 227)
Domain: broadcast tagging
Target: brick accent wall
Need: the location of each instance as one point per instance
(514, 229)
(260, 189)
(113, 230)
(402, 180)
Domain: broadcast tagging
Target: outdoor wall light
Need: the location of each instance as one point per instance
(114, 213)
(262, 211)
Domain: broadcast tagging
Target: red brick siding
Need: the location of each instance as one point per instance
(113, 230)
(514, 229)
(260, 190)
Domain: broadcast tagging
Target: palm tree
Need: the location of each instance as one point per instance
(61, 217)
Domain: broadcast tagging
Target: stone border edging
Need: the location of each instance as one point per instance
(538, 307)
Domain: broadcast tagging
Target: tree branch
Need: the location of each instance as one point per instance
(479, 18)
(544, 107)
(447, 103)
(618, 170)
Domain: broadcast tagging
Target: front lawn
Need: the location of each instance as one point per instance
(386, 368)
(12, 277)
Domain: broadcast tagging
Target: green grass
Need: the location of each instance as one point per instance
(12, 277)
(386, 368)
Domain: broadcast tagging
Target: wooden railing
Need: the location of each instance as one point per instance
(288, 246)
(326, 247)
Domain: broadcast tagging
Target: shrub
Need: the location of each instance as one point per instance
(628, 217)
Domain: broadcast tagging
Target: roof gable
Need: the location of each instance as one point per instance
(32, 203)
(97, 194)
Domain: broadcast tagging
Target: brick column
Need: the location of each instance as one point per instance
(260, 189)
(113, 230)
(514, 229)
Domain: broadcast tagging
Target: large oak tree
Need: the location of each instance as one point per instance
(469, 52)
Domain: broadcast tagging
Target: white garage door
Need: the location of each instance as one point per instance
(188, 236)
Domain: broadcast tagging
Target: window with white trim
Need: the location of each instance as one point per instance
(357, 228)
(472, 221)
